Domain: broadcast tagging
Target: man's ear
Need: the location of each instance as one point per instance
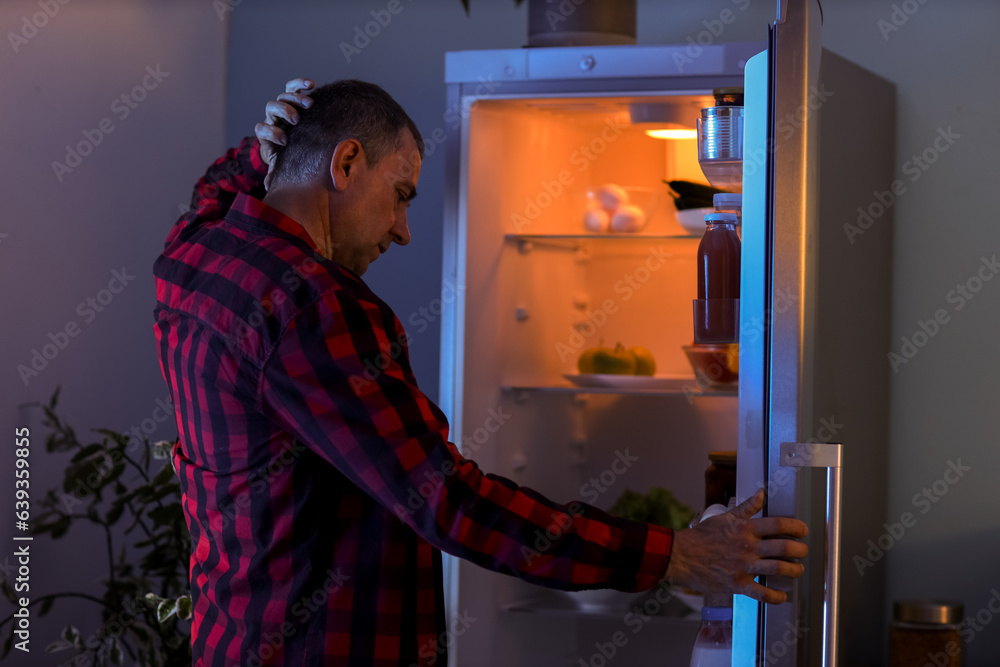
(344, 163)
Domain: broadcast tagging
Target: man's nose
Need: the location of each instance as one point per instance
(401, 231)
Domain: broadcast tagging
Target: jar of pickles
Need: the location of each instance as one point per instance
(926, 632)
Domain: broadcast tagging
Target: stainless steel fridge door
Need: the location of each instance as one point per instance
(777, 321)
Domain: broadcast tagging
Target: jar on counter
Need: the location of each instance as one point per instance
(926, 632)
(720, 478)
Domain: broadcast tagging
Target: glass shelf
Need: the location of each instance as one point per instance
(598, 237)
(691, 390)
(552, 604)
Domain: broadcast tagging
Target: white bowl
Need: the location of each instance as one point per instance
(693, 220)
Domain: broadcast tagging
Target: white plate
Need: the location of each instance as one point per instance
(652, 382)
(602, 599)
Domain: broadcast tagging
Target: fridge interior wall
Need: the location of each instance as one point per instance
(528, 174)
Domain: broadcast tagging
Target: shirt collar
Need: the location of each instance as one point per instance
(248, 209)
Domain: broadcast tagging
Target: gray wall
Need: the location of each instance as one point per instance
(62, 240)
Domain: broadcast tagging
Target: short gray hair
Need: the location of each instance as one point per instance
(345, 109)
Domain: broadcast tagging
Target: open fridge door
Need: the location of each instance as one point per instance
(777, 328)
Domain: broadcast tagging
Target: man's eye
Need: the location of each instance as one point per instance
(402, 197)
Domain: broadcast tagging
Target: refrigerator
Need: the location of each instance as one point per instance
(530, 132)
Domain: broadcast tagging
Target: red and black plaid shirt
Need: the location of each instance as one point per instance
(303, 437)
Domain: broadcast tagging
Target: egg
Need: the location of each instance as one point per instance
(612, 197)
(596, 220)
(628, 219)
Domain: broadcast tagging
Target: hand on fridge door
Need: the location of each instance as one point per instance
(284, 108)
(726, 552)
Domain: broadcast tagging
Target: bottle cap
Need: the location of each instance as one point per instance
(728, 199)
(716, 613)
(929, 612)
(721, 217)
(732, 97)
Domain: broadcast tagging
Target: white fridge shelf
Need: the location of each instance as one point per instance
(550, 604)
(691, 390)
(600, 237)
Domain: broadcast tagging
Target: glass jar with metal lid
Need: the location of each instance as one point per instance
(926, 632)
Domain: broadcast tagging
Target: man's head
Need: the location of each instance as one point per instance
(356, 145)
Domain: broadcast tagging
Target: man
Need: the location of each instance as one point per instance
(296, 466)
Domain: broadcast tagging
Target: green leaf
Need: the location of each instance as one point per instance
(46, 606)
(117, 656)
(60, 527)
(166, 490)
(76, 477)
(59, 443)
(72, 635)
(165, 610)
(165, 476)
(120, 439)
(152, 599)
(115, 511)
(8, 643)
(166, 515)
(59, 645)
(184, 607)
(87, 451)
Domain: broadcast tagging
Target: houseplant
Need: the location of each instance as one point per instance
(145, 607)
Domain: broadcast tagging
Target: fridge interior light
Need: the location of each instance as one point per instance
(673, 133)
(664, 121)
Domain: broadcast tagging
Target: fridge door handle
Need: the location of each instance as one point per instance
(822, 455)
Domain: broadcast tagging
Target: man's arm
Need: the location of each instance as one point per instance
(247, 167)
(241, 169)
(389, 439)
(381, 432)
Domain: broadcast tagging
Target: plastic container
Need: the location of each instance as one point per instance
(926, 632)
(717, 308)
(714, 645)
(715, 366)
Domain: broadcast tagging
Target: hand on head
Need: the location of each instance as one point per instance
(285, 109)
